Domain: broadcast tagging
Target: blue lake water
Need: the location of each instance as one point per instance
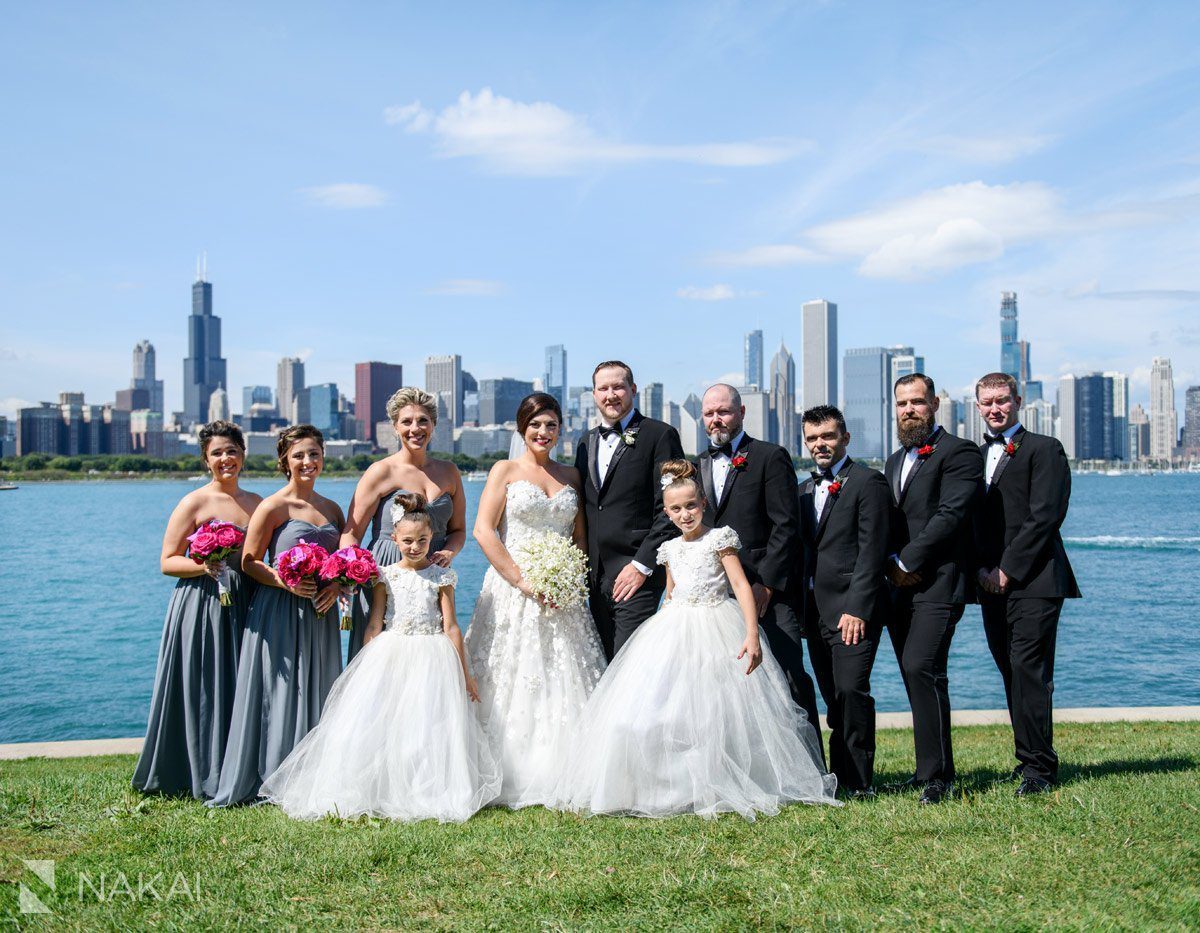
(83, 603)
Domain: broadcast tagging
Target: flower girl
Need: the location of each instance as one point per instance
(682, 722)
(398, 737)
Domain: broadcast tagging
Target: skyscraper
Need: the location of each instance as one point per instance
(499, 399)
(255, 395)
(1120, 414)
(1093, 416)
(753, 359)
(374, 384)
(218, 405)
(1164, 420)
(144, 374)
(554, 376)
(1139, 433)
(204, 367)
(867, 399)
(323, 409)
(651, 400)
(1191, 422)
(1066, 415)
(819, 353)
(783, 399)
(904, 362)
(444, 374)
(1014, 353)
(289, 384)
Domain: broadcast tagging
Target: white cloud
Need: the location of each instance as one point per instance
(346, 196)
(541, 138)
(718, 292)
(776, 254)
(10, 404)
(474, 288)
(989, 149)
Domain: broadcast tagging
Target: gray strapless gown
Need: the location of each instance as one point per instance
(192, 701)
(290, 657)
(386, 552)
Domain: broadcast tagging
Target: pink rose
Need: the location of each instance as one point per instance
(229, 536)
(360, 571)
(333, 566)
(204, 542)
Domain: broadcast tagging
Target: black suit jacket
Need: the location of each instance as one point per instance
(844, 554)
(1018, 520)
(931, 518)
(759, 503)
(624, 515)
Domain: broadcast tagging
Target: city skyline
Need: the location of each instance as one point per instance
(609, 169)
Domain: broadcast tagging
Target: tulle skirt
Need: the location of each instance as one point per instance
(677, 726)
(398, 739)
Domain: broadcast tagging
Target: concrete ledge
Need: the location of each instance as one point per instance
(82, 748)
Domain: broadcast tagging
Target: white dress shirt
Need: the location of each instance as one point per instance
(721, 465)
(821, 487)
(993, 454)
(910, 460)
(606, 448)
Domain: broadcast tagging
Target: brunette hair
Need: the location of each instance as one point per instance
(916, 377)
(614, 364)
(536, 404)
(680, 472)
(410, 507)
(997, 381)
(819, 414)
(410, 395)
(220, 429)
(289, 436)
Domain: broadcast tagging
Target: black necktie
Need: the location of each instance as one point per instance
(606, 432)
(726, 449)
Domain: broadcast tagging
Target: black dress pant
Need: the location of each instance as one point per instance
(1021, 634)
(617, 621)
(786, 641)
(921, 633)
(843, 674)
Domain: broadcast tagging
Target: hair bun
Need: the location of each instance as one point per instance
(410, 502)
(678, 470)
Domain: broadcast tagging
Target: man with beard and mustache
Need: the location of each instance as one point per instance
(750, 486)
(844, 529)
(936, 481)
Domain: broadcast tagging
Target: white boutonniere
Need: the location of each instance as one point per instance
(629, 438)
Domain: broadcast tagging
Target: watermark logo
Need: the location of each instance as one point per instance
(43, 870)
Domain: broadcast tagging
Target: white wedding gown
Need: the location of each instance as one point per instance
(398, 737)
(535, 666)
(677, 726)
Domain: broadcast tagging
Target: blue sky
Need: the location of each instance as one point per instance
(646, 181)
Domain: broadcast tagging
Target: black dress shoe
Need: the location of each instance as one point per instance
(1033, 785)
(936, 792)
(1017, 773)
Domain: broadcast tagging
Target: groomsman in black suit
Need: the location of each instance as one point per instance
(936, 481)
(844, 530)
(750, 486)
(1023, 571)
(622, 496)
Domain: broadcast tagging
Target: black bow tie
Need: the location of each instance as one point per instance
(995, 439)
(606, 432)
(820, 476)
(726, 449)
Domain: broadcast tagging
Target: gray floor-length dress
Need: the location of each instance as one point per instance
(440, 510)
(194, 684)
(290, 657)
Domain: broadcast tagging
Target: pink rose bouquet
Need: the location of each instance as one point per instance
(213, 543)
(350, 568)
(300, 561)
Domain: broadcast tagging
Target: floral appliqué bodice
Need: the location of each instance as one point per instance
(412, 598)
(528, 511)
(696, 567)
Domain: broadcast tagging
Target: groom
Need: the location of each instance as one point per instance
(622, 498)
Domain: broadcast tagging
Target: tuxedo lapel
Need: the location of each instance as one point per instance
(831, 501)
(620, 451)
(934, 439)
(1003, 462)
(896, 463)
(732, 475)
(706, 479)
(594, 457)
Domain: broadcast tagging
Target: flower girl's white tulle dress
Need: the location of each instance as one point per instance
(677, 726)
(398, 737)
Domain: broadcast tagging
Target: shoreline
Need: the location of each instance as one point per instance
(85, 748)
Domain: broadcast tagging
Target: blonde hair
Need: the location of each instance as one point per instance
(410, 395)
(677, 472)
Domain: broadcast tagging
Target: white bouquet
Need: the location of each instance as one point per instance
(554, 568)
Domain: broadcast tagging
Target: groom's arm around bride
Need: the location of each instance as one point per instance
(619, 461)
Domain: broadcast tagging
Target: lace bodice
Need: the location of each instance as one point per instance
(412, 598)
(529, 511)
(696, 567)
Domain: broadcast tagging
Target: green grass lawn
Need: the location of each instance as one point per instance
(1117, 844)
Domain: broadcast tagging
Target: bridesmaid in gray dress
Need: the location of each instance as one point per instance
(197, 658)
(413, 413)
(291, 651)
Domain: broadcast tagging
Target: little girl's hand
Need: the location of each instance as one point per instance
(472, 689)
(751, 648)
(441, 558)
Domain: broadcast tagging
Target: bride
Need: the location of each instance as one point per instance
(536, 665)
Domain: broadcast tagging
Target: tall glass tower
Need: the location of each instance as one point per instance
(204, 367)
(554, 376)
(753, 359)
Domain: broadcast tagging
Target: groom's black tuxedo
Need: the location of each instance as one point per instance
(1017, 529)
(841, 571)
(931, 536)
(626, 522)
(758, 501)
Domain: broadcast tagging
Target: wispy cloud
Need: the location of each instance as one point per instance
(987, 149)
(346, 196)
(471, 288)
(9, 405)
(540, 138)
(718, 292)
(770, 255)
(1092, 290)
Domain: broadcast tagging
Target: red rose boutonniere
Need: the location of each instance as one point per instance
(835, 487)
(924, 453)
(738, 462)
(1011, 448)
